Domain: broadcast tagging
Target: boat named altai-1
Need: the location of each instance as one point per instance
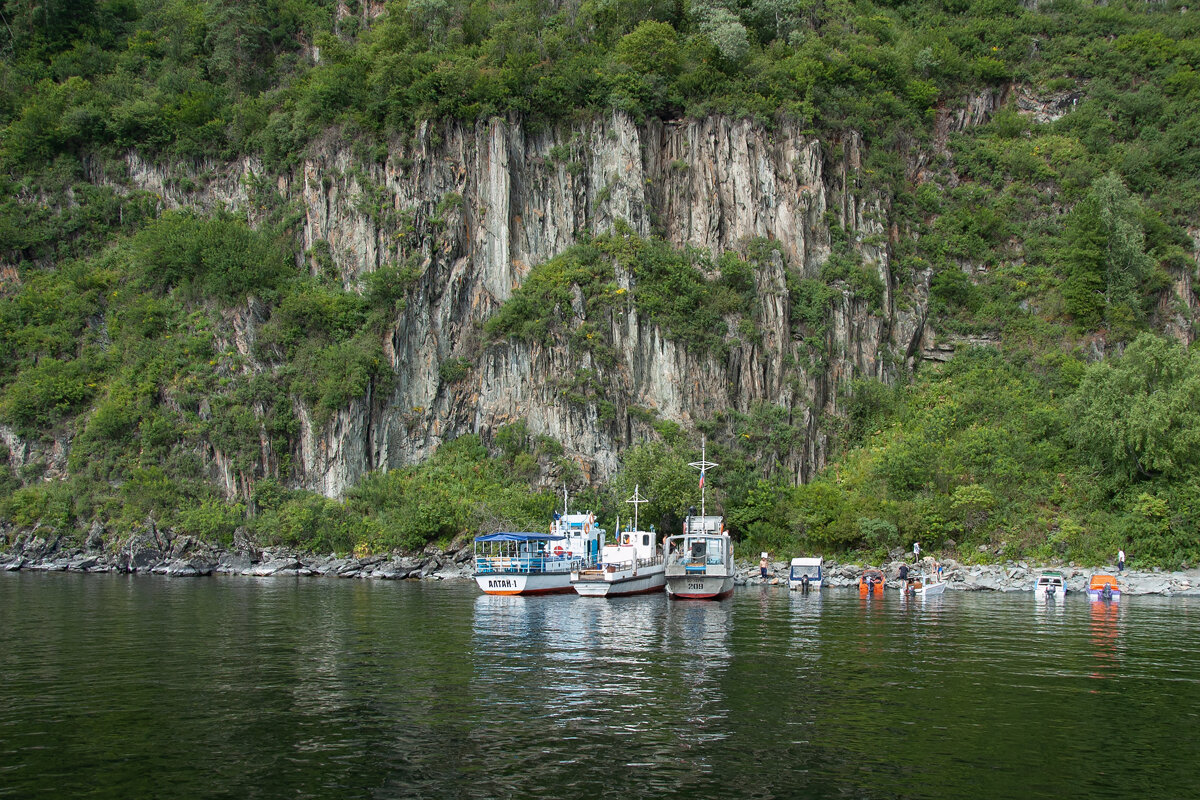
(537, 563)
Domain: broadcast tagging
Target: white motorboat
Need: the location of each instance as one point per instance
(1050, 583)
(633, 565)
(805, 573)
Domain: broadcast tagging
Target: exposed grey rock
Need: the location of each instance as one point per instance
(192, 568)
(711, 183)
(95, 537)
(233, 563)
(280, 566)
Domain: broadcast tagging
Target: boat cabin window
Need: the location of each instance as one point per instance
(697, 549)
(645, 540)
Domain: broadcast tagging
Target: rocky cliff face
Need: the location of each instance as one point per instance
(475, 207)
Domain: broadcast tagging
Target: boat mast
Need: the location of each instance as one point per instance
(637, 500)
(703, 465)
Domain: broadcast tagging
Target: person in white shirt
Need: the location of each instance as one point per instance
(916, 551)
(1121, 560)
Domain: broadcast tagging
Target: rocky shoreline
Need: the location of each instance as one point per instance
(1011, 576)
(185, 557)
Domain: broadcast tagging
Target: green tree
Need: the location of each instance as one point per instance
(1137, 417)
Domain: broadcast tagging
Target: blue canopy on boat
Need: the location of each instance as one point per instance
(516, 537)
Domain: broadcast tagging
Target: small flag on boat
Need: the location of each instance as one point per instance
(701, 479)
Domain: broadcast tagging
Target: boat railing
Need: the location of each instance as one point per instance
(530, 564)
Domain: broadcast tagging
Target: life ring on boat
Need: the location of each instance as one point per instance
(587, 527)
(558, 551)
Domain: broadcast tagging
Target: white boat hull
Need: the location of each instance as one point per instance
(931, 590)
(798, 585)
(1098, 595)
(621, 583)
(1043, 592)
(699, 587)
(524, 583)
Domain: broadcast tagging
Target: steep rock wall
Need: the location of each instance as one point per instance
(477, 206)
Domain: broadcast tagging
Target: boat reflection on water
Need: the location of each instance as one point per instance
(698, 634)
(571, 663)
(805, 616)
(1102, 633)
(1049, 607)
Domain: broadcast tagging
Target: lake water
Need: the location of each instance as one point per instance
(121, 687)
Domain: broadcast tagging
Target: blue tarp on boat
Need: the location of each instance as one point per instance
(516, 537)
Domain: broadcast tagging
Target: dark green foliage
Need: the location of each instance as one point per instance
(669, 288)
(1136, 418)
(44, 394)
(459, 489)
(219, 258)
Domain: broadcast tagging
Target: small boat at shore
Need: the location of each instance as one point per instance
(871, 583)
(1104, 588)
(699, 562)
(805, 573)
(1050, 583)
(917, 585)
(631, 566)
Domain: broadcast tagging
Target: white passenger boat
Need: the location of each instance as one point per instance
(1050, 583)
(537, 563)
(631, 566)
(805, 573)
(699, 563)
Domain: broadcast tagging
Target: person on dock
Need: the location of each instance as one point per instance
(1121, 560)
(762, 566)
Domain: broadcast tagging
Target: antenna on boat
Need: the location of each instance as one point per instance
(703, 465)
(637, 500)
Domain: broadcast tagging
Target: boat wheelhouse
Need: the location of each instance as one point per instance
(805, 573)
(1103, 587)
(631, 566)
(1050, 583)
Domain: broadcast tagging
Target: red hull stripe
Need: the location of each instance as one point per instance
(555, 590)
(720, 596)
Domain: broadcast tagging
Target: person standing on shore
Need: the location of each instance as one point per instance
(762, 566)
(1121, 560)
(916, 551)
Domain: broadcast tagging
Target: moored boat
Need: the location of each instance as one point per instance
(699, 562)
(918, 585)
(1050, 583)
(537, 563)
(1104, 587)
(631, 566)
(805, 573)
